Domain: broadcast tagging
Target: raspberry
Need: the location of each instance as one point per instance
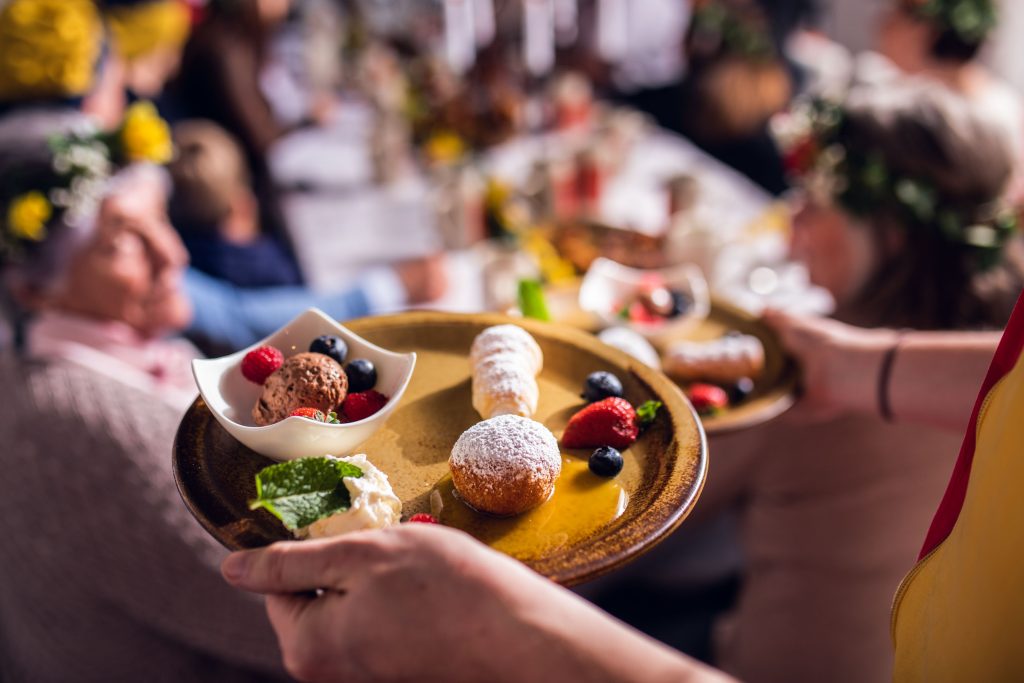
(363, 404)
(261, 363)
(424, 517)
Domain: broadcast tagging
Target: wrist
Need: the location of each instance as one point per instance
(867, 367)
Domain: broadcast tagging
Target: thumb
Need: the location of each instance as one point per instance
(299, 566)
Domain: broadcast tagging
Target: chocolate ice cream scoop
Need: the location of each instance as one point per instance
(305, 380)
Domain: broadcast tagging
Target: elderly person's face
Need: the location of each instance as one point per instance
(130, 268)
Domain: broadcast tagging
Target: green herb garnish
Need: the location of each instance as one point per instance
(646, 413)
(531, 300)
(299, 492)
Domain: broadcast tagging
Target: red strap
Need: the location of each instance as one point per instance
(953, 500)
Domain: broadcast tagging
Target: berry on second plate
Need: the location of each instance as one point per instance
(707, 399)
(600, 385)
(424, 518)
(740, 389)
(362, 404)
(610, 422)
(261, 363)
(361, 375)
(331, 346)
(605, 462)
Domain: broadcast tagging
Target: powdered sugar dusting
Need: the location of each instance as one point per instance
(507, 446)
(507, 339)
(503, 383)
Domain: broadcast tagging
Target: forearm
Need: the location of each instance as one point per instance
(936, 376)
(933, 379)
(562, 637)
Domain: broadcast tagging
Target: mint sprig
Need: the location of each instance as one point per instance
(300, 492)
(646, 413)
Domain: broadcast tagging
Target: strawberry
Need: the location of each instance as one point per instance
(424, 518)
(611, 422)
(707, 399)
(363, 404)
(261, 363)
(315, 414)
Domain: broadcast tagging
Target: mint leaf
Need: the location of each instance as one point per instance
(531, 300)
(646, 413)
(299, 492)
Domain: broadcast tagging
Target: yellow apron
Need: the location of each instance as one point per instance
(959, 614)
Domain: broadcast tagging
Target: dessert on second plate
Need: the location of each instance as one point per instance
(505, 361)
(505, 465)
(720, 361)
(306, 380)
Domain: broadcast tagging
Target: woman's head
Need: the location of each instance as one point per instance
(899, 234)
(916, 34)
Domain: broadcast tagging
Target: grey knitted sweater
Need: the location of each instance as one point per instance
(104, 575)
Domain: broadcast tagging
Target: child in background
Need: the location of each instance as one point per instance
(217, 213)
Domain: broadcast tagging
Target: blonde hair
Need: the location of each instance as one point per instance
(207, 173)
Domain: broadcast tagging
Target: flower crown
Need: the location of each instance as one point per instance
(82, 162)
(817, 158)
(971, 20)
(719, 25)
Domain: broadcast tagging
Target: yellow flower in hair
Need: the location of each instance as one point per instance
(27, 216)
(145, 136)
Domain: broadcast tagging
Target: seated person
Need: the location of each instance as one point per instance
(215, 210)
(107, 577)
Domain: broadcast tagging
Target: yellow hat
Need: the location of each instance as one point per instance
(48, 48)
(140, 28)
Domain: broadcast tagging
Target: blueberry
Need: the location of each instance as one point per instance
(681, 304)
(362, 376)
(742, 388)
(329, 345)
(605, 462)
(601, 385)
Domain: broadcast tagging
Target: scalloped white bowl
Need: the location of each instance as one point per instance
(231, 397)
(608, 283)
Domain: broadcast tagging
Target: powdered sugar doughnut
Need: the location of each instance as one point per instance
(505, 465)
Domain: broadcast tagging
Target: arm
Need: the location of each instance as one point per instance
(933, 378)
(233, 317)
(423, 601)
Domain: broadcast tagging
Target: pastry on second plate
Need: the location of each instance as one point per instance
(721, 360)
(505, 361)
(505, 465)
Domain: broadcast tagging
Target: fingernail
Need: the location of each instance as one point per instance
(235, 566)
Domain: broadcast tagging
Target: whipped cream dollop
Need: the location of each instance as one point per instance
(374, 504)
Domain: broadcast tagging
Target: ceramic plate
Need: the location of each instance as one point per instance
(775, 391)
(662, 478)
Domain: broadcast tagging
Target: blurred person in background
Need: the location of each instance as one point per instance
(902, 220)
(216, 211)
(106, 575)
(219, 80)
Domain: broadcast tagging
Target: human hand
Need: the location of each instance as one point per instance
(425, 279)
(424, 602)
(840, 363)
(410, 602)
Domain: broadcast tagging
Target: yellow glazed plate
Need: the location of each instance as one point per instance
(574, 537)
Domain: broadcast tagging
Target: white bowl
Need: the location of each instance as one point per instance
(607, 284)
(231, 397)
